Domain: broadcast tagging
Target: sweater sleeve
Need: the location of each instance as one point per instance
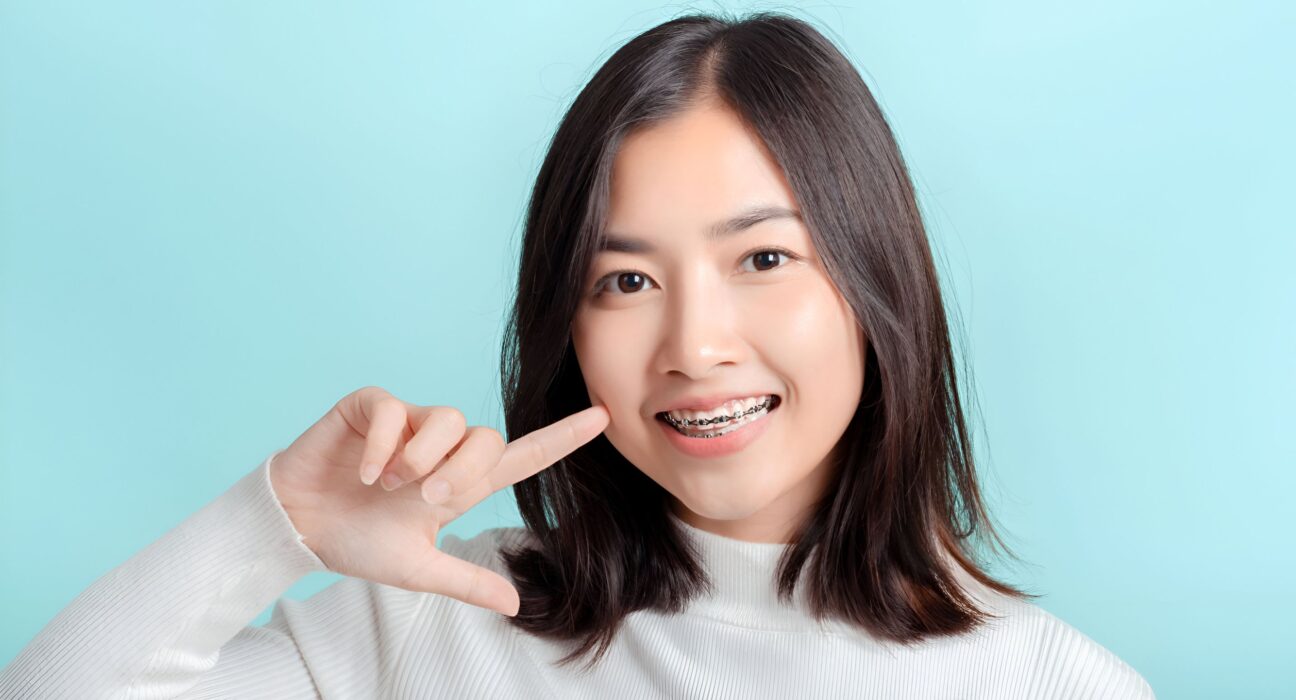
(172, 621)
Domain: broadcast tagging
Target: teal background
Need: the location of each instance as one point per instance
(216, 219)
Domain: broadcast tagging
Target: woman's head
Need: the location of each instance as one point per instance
(679, 305)
(625, 299)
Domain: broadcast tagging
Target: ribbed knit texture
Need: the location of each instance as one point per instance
(172, 621)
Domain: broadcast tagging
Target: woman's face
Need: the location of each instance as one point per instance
(675, 314)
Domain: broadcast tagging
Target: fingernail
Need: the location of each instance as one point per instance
(369, 473)
(437, 491)
(391, 480)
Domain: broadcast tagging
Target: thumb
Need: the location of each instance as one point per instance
(472, 584)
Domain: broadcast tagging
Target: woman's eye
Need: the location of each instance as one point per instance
(617, 281)
(768, 258)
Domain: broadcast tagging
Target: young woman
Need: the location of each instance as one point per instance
(738, 447)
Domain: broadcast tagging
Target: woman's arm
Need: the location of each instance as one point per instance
(173, 619)
(343, 642)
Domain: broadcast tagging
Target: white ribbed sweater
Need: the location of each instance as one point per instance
(173, 621)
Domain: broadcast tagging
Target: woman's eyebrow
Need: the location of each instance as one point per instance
(617, 243)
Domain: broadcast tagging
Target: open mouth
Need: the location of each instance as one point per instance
(721, 425)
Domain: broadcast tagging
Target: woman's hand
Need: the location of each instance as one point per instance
(326, 482)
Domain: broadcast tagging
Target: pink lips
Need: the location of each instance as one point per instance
(726, 444)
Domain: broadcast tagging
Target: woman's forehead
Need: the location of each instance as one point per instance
(690, 173)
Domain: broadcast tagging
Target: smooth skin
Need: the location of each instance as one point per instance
(326, 480)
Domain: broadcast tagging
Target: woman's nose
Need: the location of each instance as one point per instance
(700, 328)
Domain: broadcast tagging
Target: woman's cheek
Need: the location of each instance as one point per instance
(784, 322)
(606, 349)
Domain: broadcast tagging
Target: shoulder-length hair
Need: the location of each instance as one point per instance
(880, 543)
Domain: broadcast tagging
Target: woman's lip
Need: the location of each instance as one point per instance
(729, 443)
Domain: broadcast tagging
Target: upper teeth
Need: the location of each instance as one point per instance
(727, 410)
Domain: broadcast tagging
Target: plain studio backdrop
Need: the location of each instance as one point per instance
(218, 219)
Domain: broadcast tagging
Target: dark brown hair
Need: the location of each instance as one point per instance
(905, 502)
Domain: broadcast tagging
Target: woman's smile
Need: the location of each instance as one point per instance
(731, 437)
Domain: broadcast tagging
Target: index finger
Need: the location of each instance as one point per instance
(538, 449)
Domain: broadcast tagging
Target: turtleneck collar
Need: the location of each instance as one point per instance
(744, 590)
(744, 587)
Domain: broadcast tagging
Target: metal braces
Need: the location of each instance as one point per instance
(720, 419)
